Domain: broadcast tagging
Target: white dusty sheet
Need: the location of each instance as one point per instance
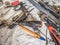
(17, 36)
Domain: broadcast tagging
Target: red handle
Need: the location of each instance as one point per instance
(16, 2)
(51, 29)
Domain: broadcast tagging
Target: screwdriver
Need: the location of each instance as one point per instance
(32, 33)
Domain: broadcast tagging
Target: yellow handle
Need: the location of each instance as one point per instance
(29, 31)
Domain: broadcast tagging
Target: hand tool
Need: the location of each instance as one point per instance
(19, 18)
(53, 31)
(57, 27)
(50, 10)
(22, 16)
(32, 33)
(54, 35)
(33, 24)
(45, 11)
(49, 21)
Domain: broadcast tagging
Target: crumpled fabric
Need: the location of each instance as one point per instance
(17, 36)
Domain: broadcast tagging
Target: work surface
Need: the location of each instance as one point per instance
(17, 36)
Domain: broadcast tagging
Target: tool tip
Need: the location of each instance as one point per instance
(42, 38)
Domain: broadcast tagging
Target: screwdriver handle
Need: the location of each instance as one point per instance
(31, 33)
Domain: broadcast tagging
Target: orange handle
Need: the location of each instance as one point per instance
(51, 30)
(29, 31)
